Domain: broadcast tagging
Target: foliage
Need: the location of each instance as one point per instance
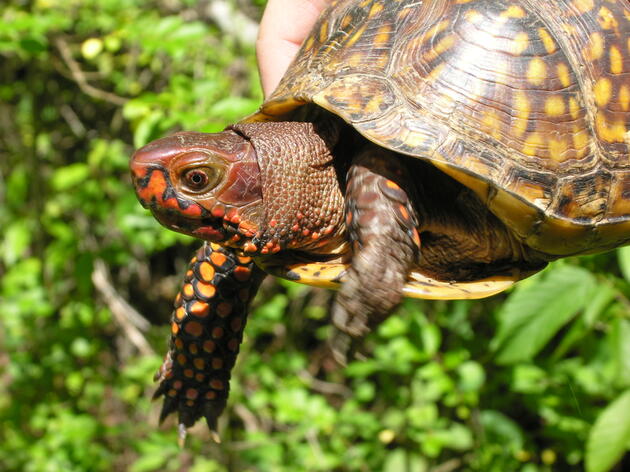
(534, 380)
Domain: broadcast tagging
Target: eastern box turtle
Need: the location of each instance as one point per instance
(432, 149)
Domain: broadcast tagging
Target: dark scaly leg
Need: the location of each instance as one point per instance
(207, 329)
(382, 226)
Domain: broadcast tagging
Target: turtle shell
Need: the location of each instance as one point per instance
(526, 102)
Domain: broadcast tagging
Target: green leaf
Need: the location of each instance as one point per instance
(623, 258)
(70, 176)
(533, 314)
(609, 436)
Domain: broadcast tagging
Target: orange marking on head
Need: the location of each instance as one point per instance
(154, 188)
(217, 333)
(218, 259)
(416, 237)
(199, 309)
(209, 346)
(206, 271)
(180, 313)
(244, 259)
(194, 328)
(178, 299)
(181, 359)
(403, 211)
(224, 309)
(189, 274)
(174, 328)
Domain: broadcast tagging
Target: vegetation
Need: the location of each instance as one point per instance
(535, 380)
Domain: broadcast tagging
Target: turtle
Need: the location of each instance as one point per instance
(439, 149)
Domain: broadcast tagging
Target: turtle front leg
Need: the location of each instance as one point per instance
(382, 227)
(206, 332)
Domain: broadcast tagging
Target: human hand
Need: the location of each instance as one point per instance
(284, 25)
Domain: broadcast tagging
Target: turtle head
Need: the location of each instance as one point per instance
(203, 185)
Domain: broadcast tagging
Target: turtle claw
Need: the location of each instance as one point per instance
(182, 431)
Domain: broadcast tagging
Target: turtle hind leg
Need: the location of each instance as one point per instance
(207, 329)
(382, 227)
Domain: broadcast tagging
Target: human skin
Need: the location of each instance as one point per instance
(284, 25)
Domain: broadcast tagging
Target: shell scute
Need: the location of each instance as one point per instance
(526, 102)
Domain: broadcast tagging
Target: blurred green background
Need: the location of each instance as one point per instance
(534, 380)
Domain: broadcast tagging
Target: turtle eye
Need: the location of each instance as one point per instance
(199, 179)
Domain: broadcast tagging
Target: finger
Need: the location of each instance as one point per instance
(283, 27)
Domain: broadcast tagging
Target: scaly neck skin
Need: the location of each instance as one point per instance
(302, 200)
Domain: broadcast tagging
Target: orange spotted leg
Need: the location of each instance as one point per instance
(382, 226)
(207, 329)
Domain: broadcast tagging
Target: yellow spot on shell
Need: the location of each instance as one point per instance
(606, 19)
(596, 49)
(603, 91)
(522, 109)
(356, 36)
(513, 11)
(548, 41)
(492, 123)
(610, 132)
(442, 46)
(309, 43)
(563, 74)
(323, 32)
(375, 10)
(537, 71)
(616, 60)
(473, 16)
(580, 139)
(554, 106)
(435, 30)
(624, 97)
(533, 144)
(583, 6)
(520, 43)
(382, 36)
(557, 148)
